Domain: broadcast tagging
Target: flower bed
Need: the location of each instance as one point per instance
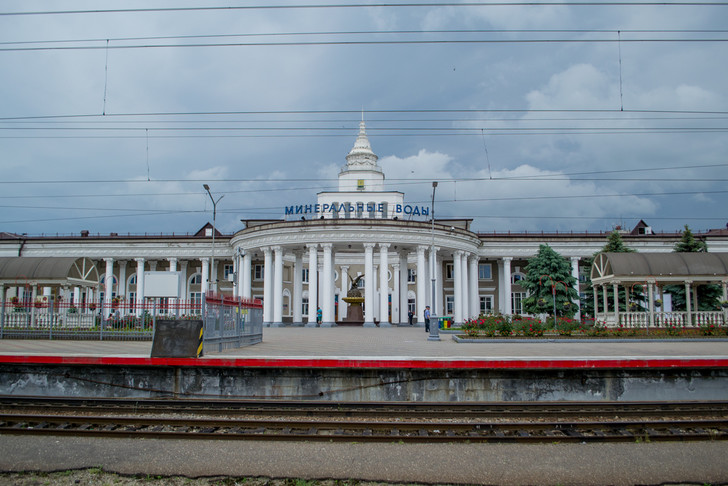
(500, 326)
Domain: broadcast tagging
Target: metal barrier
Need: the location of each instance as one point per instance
(231, 323)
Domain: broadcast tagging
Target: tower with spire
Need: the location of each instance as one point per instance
(361, 186)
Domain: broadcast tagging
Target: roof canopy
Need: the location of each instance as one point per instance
(20, 271)
(660, 267)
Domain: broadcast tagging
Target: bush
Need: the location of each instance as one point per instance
(527, 326)
(565, 326)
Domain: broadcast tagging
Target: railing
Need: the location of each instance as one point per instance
(664, 319)
(231, 323)
(65, 320)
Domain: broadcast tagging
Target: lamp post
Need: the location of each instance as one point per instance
(213, 278)
(434, 325)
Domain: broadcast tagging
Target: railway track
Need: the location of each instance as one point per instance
(357, 422)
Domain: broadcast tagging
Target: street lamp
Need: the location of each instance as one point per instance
(434, 326)
(214, 216)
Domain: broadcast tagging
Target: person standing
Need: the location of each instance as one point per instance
(410, 317)
(427, 318)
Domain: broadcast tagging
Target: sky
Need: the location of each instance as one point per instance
(551, 116)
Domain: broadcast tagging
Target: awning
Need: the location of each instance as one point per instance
(48, 271)
(699, 267)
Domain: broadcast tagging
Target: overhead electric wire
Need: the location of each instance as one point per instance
(358, 112)
(374, 32)
(639, 3)
(358, 43)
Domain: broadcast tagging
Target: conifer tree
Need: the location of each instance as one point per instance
(708, 295)
(548, 273)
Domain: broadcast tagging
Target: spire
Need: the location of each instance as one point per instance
(361, 156)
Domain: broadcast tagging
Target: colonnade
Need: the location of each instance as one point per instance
(379, 260)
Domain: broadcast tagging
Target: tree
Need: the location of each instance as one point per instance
(549, 273)
(708, 295)
(615, 244)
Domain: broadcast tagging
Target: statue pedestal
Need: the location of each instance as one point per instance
(354, 312)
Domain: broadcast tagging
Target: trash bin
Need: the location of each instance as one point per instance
(445, 322)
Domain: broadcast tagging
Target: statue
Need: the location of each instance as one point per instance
(354, 312)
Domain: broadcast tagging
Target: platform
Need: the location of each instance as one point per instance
(373, 364)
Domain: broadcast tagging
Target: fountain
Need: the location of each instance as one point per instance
(354, 311)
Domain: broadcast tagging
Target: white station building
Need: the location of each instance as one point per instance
(309, 259)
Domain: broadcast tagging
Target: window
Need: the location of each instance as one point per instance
(411, 306)
(517, 302)
(304, 306)
(516, 278)
(449, 270)
(227, 271)
(449, 304)
(258, 272)
(361, 284)
(304, 275)
(485, 271)
(385, 210)
(196, 279)
(132, 299)
(411, 275)
(195, 299)
(486, 304)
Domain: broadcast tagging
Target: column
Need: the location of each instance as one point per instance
(205, 277)
(369, 285)
(343, 306)
(277, 287)
(375, 279)
(474, 297)
(384, 285)
(268, 277)
(140, 285)
(440, 287)
(575, 274)
(403, 288)
(596, 300)
(108, 286)
(507, 285)
(121, 290)
(396, 299)
(327, 310)
(184, 287)
(688, 310)
(465, 290)
(615, 290)
(247, 284)
(606, 301)
(651, 297)
(174, 302)
(457, 287)
(297, 288)
(435, 309)
(312, 284)
(421, 285)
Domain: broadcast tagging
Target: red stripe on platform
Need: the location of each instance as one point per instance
(536, 364)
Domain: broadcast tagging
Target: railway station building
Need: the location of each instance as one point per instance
(361, 234)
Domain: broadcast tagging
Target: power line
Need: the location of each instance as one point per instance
(359, 43)
(368, 6)
(374, 32)
(357, 112)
